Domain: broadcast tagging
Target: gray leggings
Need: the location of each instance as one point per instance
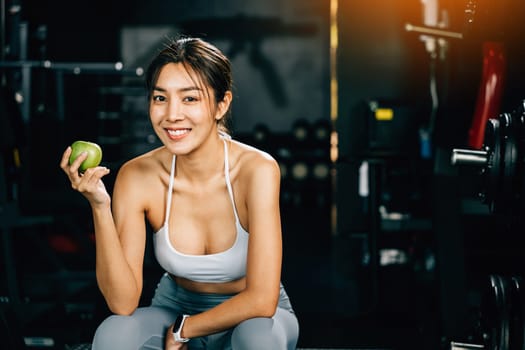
(146, 327)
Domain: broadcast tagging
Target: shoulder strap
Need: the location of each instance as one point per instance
(228, 181)
(170, 190)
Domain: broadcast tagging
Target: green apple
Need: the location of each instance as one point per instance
(94, 154)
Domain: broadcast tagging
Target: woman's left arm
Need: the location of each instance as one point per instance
(263, 274)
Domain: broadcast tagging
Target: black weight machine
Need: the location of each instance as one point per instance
(17, 311)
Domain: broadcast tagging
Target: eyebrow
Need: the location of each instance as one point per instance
(184, 89)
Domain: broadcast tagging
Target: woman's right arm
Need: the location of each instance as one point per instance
(120, 232)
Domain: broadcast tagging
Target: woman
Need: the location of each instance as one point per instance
(213, 203)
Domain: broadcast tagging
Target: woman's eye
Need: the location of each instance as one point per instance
(190, 99)
(159, 98)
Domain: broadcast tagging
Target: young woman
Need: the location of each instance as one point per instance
(213, 204)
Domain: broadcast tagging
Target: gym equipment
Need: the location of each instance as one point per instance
(495, 310)
(322, 130)
(516, 313)
(27, 299)
(301, 130)
(501, 315)
(490, 90)
(261, 133)
(500, 162)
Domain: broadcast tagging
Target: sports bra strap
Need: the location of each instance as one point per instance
(228, 182)
(170, 190)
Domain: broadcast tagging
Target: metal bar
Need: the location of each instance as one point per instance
(25, 86)
(75, 67)
(469, 157)
(2, 29)
(465, 346)
(433, 31)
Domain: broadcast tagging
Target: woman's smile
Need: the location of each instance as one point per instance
(177, 134)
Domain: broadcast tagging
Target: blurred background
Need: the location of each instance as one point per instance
(398, 126)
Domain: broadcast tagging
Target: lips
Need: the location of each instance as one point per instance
(177, 133)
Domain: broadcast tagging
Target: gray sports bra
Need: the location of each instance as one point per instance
(225, 266)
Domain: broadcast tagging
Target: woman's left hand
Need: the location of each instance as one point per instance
(171, 344)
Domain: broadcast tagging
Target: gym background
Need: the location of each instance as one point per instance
(398, 126)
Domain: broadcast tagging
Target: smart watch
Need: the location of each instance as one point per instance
(177, 328)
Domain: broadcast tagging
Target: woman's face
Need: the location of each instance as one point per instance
(181, 112)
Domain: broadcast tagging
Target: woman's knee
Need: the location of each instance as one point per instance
(255, 333)
(144, 328)
(116, 332)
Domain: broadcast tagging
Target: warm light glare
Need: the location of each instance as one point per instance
(333, 75)
(334, 150)
(333, 57)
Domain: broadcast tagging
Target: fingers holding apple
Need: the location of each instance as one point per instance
(91, 152)
(80, 162)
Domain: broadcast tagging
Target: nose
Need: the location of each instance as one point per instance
(174, 111)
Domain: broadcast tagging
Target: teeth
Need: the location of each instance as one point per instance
(178, 132)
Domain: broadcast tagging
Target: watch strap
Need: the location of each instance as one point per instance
(177, 328)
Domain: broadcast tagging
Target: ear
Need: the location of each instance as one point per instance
(224, 105)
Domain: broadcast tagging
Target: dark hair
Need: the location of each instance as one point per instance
(211, 66)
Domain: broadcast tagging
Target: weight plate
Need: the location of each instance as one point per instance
(492, 172)
(509, 160)
(494, 316)
(504, 326)
(515, 314)
(489, 314)
(520, 163)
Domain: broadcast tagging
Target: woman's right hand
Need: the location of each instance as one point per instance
(89, 183)
(170, 343)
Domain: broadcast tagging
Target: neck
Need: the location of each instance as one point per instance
(203, 165)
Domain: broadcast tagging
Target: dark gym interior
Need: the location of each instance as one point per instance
(399, 126)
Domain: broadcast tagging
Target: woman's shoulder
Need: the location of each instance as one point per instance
(146, 164)
(142, 178)
(251, 159)
(250, 154)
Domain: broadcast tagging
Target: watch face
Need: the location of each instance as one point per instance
(177, 323)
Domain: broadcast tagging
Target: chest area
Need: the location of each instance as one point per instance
(202, 220)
